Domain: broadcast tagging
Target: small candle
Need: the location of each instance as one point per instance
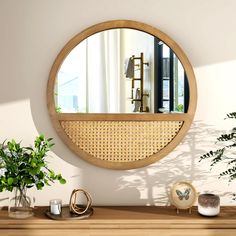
(55, 206)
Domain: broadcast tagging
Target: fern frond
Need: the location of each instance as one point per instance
(231, 172)
(231, 162)
(226, 137)
(218, 156)
(207, 155)
(231, 115)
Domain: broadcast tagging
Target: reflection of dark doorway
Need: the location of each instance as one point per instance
(165, 81)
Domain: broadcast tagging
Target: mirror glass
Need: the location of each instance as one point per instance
(121, 71)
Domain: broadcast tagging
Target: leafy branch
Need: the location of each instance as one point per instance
(220, 155)
(26, 166)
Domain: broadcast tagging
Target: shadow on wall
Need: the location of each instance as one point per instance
(153, 183)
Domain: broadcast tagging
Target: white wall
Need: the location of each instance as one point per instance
(33, 31)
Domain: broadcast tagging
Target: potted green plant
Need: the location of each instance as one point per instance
(223, 154)
(22, 168)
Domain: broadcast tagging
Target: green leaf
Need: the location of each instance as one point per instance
(41, 137)
(52, 174)
(40, 175)
(231, 115)
(28, 181)
(10, 181)
(62, 181)
(39, 185)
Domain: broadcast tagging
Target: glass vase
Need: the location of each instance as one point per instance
(21, 205)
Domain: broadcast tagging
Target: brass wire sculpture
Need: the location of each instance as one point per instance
(74, 207)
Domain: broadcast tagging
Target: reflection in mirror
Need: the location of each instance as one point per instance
(121, 71)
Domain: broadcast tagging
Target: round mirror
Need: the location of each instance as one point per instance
(121, 94)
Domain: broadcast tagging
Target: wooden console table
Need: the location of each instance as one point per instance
(127, 221)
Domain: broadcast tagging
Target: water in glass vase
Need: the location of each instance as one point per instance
(21, 205)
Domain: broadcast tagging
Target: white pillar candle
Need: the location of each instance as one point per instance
(55, 206)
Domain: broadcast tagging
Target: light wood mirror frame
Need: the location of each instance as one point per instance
(121, 141)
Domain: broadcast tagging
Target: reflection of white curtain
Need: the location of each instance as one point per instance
(103, 72)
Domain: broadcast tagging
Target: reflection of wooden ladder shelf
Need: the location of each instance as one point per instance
(139, 63)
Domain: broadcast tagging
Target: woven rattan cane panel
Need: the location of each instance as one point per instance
(121, 141)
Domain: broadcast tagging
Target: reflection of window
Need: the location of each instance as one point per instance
(90, 75)
(70, 83)
(166, 67)
(166, 92)
(67, 89)
(171, 84)
(68, 102)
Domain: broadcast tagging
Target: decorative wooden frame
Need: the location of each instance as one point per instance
(183, 195)
(110, 140)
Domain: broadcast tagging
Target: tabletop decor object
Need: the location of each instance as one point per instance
(75, 210)
(208, 204)
(23, 168)
(183, 196)
(55, 206)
